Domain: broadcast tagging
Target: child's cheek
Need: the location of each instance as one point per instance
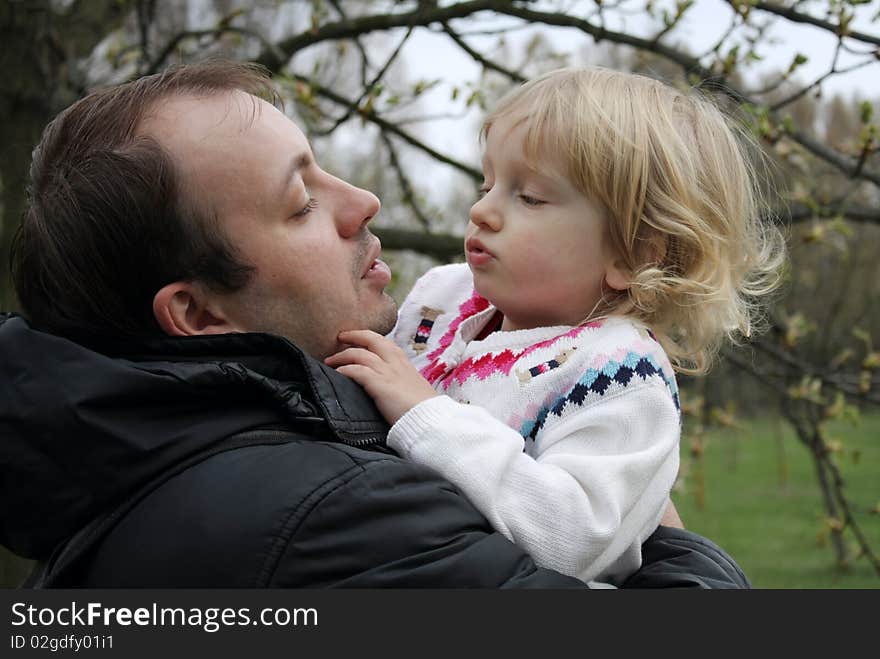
(533, 250)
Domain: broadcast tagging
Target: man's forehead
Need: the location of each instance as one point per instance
(230, 124)
(231, 149)
(192, 117)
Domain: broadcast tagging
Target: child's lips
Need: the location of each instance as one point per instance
(476, 253)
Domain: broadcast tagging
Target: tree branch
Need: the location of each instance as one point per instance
(275, 57)
(691, 65)
(847, 165)
(803, 368)
(424, 14)
(487, 64)
(443, 247)
(797, 212)
(369, 86)
(818, 81)
(408, 197)
(217, 32)
(365, 60)
(389, 127)
(798, 17)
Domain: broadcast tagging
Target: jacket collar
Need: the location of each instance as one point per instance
(82, 427)
(304, 386)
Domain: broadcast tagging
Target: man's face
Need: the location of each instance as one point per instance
(302, 229)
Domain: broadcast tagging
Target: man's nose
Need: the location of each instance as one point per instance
(485, 214)
(355, 208)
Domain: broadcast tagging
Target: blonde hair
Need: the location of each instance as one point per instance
(680, 190)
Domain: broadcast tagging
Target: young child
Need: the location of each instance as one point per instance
(618, 236)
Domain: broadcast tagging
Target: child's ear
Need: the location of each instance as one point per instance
(651, 250)
(187, 309)
(618, 276)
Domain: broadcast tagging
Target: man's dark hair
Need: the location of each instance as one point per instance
(107, 223)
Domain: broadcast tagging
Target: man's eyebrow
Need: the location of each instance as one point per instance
(298, 162)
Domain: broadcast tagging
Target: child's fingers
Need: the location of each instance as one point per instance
(361, 374)
(360, 356)
(358, 337)
(370, 340)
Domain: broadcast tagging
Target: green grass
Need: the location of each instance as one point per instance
(762, 503)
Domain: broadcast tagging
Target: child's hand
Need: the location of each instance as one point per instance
(381, 368)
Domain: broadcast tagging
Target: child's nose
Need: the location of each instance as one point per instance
(485, 214)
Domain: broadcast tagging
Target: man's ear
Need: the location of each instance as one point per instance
(185, 309)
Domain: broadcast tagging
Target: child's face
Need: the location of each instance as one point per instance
(537, 247)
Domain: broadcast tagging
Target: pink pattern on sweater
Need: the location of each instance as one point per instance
(484, 366)
(470, 307)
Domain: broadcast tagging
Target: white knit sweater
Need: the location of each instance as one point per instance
(565, 438)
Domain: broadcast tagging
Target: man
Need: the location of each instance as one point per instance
(158, 430)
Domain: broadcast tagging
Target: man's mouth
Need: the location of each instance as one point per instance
(376, 270)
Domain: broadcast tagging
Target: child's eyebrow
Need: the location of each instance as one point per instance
(536, 170)
(522, 167)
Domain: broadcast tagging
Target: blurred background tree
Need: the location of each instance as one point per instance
(391, 93)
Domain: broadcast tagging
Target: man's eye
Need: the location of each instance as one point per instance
(531, 201)
(308, 208)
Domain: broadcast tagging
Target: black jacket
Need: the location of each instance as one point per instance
(238, 461)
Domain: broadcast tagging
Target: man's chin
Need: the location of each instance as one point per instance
(387, 319)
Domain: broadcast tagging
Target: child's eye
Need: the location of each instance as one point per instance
(308, 208)
(483, 191)
(531, 201)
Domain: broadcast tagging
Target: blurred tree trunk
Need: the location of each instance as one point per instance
(26, 60)
(41, 75)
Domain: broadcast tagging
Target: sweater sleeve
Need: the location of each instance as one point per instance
(593, 494)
